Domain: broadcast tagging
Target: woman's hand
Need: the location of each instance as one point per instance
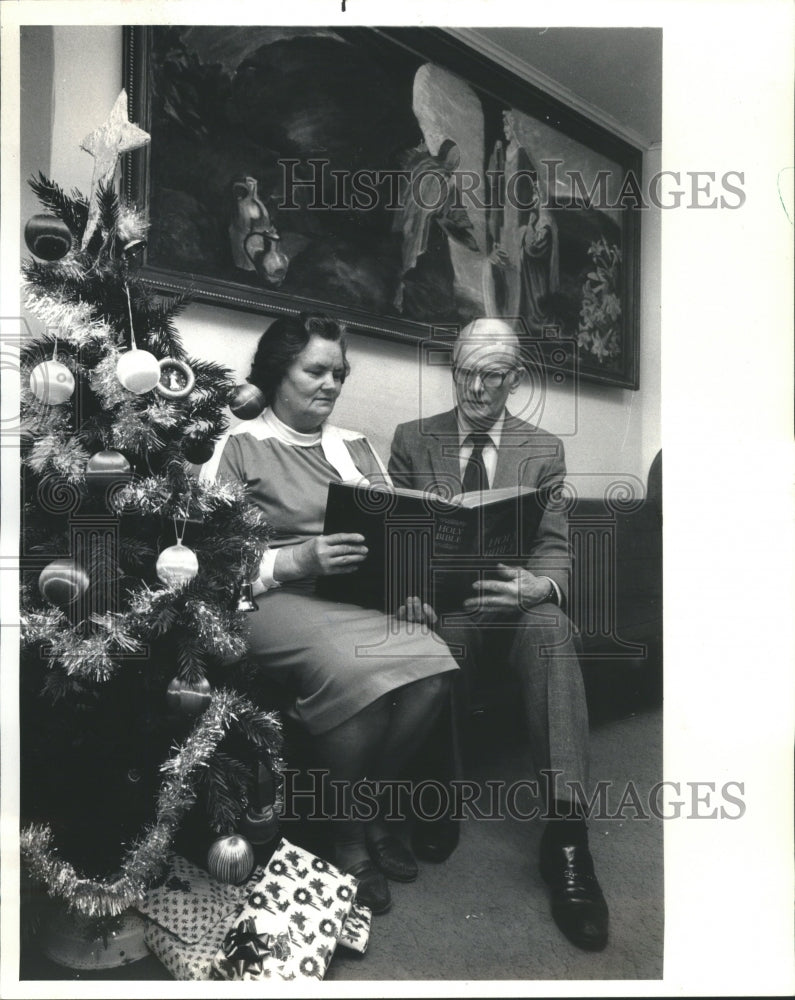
(415, 611)
(323, 555)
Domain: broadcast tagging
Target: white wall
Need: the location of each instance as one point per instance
(608, 431)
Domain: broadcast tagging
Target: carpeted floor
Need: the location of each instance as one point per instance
(483, 914)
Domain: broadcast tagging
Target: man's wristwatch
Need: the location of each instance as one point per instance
(552, 596)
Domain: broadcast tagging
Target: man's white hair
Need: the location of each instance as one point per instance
(487, 331)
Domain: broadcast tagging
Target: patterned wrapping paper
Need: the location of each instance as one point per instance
(190, 914)
(292, 921)
(356, 929)
(188, 917)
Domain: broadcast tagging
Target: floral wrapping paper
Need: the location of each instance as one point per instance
(190, 914)
(292, 921)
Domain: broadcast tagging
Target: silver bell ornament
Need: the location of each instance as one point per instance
(132, 253)
(245, 600)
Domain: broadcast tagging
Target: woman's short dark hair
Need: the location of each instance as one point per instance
(281, 344)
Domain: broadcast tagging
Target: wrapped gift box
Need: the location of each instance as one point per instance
(292, 921)
(190, 914)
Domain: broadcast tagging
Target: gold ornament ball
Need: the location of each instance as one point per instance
(188, 697)
(177, 565)
(52, 382)
(230, 859)
(48, 237)
(247, 401)
(138, 371)
(62, 581)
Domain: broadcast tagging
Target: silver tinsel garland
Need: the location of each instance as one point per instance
(59, 452)
(153, 495)
(99, 656)
(148, 857)
(72, 321)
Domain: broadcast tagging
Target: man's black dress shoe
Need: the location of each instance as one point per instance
(372, 889)
(577, 903)
(435, 840)
(393, 859)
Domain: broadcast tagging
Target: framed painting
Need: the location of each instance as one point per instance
(393, 178)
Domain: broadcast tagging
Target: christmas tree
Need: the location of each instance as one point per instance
(132, 567)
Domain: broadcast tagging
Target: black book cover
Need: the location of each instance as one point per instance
(421, 544)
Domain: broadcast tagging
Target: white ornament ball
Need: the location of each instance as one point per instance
(230, 859)
(52, 382)
(138, 371)
(177, 565)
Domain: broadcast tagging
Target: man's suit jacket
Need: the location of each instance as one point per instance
(425, 454)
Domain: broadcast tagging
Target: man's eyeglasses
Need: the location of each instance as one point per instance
(491, 378)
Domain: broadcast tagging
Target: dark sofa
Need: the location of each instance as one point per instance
(615, 599)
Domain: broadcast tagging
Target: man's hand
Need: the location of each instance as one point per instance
(514, 589)
(415, 611)
(324, 555)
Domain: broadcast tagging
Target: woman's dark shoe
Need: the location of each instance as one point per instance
(372, 889)
(393, 858)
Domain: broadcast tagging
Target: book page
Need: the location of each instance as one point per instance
(476, 498)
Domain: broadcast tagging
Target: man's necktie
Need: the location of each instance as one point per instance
(475, 477)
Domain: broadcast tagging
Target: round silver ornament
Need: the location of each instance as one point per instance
(138, 371)
(177, 565)
(230, 859)
(52, 382)
(188, 698)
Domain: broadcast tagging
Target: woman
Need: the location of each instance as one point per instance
(539, 270)
(367, 687)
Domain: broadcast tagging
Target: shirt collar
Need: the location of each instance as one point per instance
(466, 427)
(287, 434)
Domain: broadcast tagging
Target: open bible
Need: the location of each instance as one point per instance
(422, 544)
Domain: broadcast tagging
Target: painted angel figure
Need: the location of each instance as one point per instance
(430, 219)
(521, 270)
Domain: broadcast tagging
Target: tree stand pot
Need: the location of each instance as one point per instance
(74, 941)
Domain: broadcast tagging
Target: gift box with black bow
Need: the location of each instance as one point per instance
(194, 922)
(293, 920)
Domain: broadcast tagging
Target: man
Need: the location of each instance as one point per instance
(515, 619)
